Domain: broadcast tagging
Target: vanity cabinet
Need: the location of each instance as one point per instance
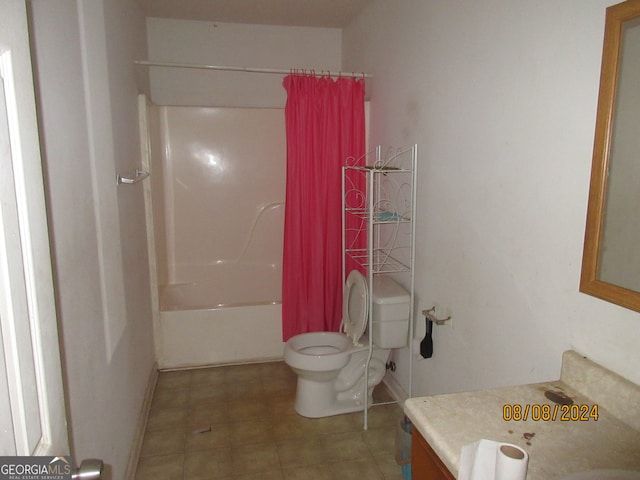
(425, 464)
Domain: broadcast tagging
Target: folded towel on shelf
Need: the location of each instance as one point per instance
(385, 216)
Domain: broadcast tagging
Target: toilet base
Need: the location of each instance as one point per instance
(318, 399)
(313, 398)
(340, 392)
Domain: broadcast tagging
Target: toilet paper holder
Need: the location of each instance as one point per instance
(430, 315)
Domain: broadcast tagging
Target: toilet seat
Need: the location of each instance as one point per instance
(355, 306)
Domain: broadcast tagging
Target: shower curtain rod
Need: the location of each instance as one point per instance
(280, 71)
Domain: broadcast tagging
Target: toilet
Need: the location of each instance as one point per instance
(331, 365)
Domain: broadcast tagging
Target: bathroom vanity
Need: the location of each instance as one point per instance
(588, 420)
(425, 463)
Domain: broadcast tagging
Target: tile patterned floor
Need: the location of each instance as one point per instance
(249, 430)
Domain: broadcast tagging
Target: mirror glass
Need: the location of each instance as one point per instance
(620, 247)
(611, 261)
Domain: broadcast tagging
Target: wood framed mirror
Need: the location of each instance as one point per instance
(611, 255)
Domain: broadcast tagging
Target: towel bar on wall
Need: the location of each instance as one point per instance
(137, 176)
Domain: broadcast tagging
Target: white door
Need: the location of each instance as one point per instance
(32, 412)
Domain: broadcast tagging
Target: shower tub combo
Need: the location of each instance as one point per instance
(215, 216)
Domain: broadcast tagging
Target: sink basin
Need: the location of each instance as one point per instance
(604, 475)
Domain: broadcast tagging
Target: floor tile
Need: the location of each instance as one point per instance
(356, 470)
(380, 441)
(247, 408)
(161, 467)
(206, 414)
(244, 373)
(208, 393)
(336, 424)
(294, 426)
(302, 452)
(171, 398)
(280, 405)
(173, 380)
(245, 391)
(163, 442)
(210, 376)
(165, 418)
(258, 457)
(345, 446)
(272, 475)
(211, 464)
(215, 436)
(315, 472)
(251, 431)
(387, 465)
(238, 423)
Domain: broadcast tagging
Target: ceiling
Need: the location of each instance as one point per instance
(307, 13)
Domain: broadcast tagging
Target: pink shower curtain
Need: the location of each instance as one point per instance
(325, 126)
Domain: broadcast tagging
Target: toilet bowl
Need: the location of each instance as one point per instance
(331, 366)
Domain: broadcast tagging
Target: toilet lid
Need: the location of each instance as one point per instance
(355, 306)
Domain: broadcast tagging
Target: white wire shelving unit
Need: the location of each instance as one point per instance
(378, 229)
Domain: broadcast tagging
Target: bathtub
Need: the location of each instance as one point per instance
(232, 315)
(227, 285)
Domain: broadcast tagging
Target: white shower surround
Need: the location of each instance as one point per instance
(230, 44)
(217, 191)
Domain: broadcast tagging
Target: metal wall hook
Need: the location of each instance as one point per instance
(430, 315)
(137, 176)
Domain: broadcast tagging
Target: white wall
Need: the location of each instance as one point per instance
(228, 44)
(501, 98)
(86, 90)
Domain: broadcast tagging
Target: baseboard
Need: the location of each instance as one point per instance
(397, 391)
(248, 361)
(138, 438)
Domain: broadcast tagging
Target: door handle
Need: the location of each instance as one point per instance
(90, 469)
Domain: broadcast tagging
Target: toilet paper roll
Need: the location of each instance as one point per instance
(511, 462)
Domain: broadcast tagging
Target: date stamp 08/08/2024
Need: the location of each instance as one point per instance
(549, 413)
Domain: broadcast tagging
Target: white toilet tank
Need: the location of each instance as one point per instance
(390, 313)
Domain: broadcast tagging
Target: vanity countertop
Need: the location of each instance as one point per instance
(575, 441)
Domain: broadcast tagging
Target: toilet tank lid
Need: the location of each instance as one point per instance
(387, 291)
